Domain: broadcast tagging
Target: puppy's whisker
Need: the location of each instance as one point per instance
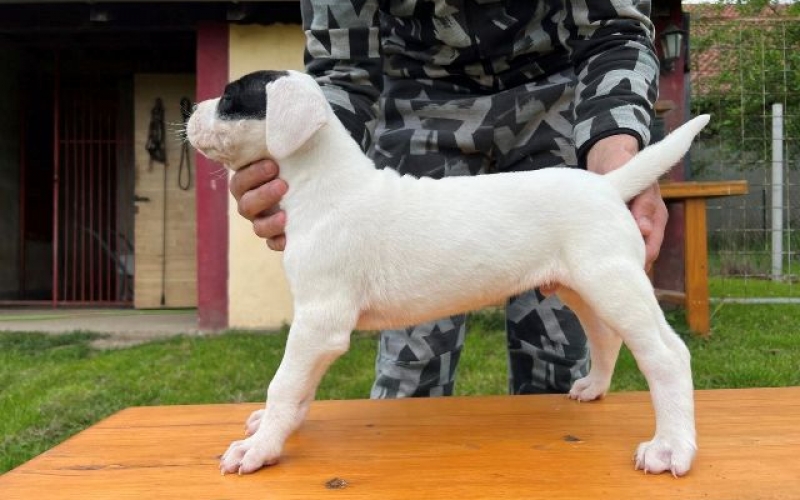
(219, 174)
(179, 130)
(179, 133)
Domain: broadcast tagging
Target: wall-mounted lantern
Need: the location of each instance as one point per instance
(671, 46)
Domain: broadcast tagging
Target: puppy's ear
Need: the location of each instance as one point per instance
(296, 110)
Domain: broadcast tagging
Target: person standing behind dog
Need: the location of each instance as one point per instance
(449, 87)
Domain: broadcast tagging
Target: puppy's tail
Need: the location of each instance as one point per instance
(646, 167)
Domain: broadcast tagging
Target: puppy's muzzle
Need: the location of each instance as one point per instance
(202, 132)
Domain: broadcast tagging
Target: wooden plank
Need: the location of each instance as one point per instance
(694, 196)
(683, 190)
(696, 266)
(671, 296)
(466, 448)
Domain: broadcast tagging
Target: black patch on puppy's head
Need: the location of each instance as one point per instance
(246, 98)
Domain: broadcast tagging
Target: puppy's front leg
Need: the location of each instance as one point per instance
(310, 349)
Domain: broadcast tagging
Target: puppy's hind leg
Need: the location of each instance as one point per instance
(604, 345)
(621, 295)
(651, 455)
(317, 337)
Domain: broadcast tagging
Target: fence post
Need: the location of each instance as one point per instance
(777, 191)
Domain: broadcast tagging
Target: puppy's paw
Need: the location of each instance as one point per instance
(661, 455)
(589, 388)
(248, 455)
(253, 422)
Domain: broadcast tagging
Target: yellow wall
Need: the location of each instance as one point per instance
(181, 261)
(258, 296)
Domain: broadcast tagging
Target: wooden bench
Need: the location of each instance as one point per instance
(693, 196)
(467, 448)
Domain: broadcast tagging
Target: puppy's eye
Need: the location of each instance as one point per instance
(225, 103)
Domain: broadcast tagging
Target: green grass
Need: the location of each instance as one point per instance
(53, 386)
(753, 287)
(747, 276)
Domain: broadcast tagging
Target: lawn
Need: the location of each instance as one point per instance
(53, 386)
(748, 277)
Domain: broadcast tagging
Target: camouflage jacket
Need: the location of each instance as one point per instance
(368, 51)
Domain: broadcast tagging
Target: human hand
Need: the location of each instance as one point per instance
(648, 208)
(258, 190)
(651, 216)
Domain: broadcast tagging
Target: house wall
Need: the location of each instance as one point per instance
(181, 266)
(258, 295)
(668, 269)
(9, 173)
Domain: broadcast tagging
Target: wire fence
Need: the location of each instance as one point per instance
(746, 74)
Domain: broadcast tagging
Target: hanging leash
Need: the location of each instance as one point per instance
(185, 167)
(155, 136)
(158, 153)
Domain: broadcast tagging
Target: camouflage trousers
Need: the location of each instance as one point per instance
(440, 129)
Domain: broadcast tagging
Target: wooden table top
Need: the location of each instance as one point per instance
(677, 190)
(455, 448)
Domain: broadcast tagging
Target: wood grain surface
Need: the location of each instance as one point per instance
(455, 448)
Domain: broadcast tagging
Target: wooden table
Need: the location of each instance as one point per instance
(693, 195)
(451, 448)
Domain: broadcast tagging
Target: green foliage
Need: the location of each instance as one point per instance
(748, 64)
(756, 7)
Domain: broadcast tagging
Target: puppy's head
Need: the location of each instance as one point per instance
(266, 114)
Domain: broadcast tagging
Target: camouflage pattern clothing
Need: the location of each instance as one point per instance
(450, 87)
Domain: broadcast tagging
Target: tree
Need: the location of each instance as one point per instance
(745, 57)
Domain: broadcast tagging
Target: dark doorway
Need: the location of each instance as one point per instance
(35, 262)
(68, 170)
(93, 232)
(75, 187)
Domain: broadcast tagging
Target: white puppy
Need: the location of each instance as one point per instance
(371, 249)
